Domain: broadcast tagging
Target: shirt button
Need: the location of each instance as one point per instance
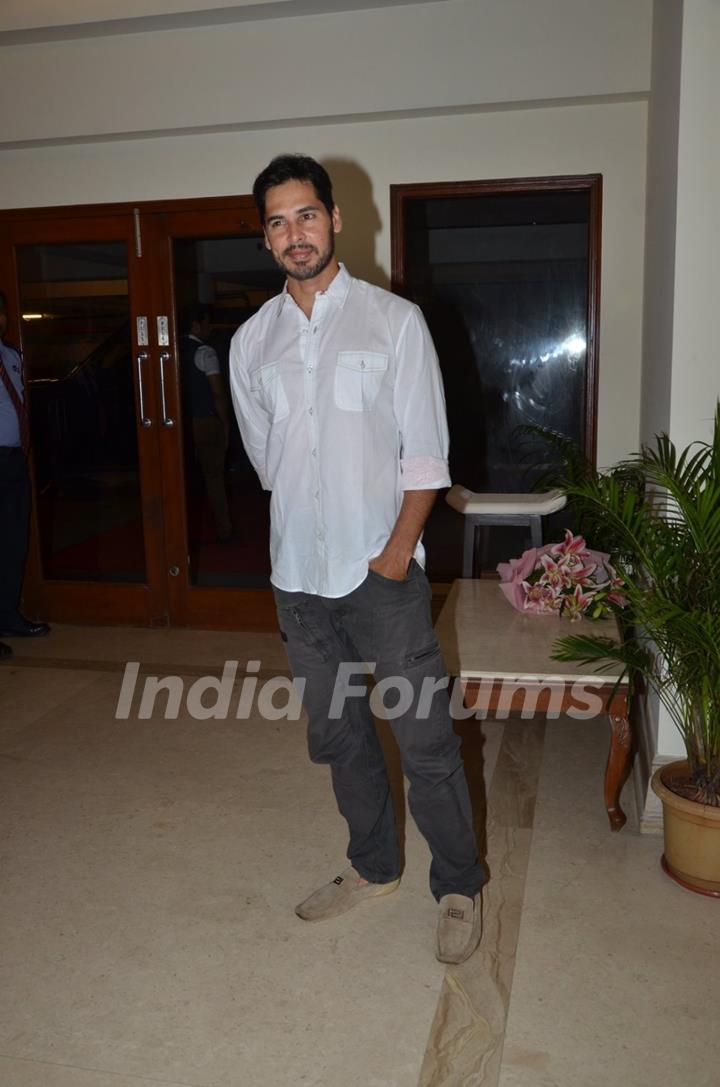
(309, 369)
(314, 452)
(310, 411)
(314, 330)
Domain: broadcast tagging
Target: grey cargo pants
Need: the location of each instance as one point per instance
(387, 623)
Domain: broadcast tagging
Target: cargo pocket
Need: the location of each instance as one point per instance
(267, 387)
(302, 633)
(422, 656)
(358, 377)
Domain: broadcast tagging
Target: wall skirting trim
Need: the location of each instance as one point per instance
(651, 820)
(645, 764)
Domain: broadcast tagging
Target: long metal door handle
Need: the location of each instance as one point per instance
(141, 358)
(167, 420)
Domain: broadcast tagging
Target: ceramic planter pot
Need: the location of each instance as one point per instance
(692, 836)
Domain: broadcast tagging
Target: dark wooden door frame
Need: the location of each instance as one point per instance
(188, 605)
(240, 204)
(149, 224)
(88, 601)
(590, 183)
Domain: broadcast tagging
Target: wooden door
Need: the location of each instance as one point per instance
(123, 528)
(79, 294)
(211, 259)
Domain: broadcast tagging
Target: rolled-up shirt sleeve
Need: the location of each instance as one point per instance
(419, 405)
(253, 422)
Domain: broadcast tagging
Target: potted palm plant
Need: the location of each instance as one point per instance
(659, 514)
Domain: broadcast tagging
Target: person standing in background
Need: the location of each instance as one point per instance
(14, 492)
(207, 408)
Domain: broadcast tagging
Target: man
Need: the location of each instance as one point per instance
(14, 492)
(339, 401)
(208, 412)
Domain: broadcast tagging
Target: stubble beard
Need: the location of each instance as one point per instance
(309, 271)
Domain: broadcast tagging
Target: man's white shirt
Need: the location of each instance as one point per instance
(340, 414)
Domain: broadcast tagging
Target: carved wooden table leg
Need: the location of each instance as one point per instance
(618, 764)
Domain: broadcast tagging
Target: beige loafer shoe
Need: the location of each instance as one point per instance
(341, 895)
(459, 927)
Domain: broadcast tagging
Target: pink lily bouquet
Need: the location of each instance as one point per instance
(565, 579)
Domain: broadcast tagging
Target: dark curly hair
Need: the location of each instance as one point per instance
(293, 168)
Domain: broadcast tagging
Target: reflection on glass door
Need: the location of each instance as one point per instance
(218, 283)
(506, 275)
(503, 280)
(76, 333)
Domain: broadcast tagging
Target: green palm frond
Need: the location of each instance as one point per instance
(601, 651)
(660, 512)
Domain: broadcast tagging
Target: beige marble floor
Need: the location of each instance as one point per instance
(149, 873)
(617, 975)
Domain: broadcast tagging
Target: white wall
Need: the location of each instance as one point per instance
(659, 734)
(696, 359)
(449, 54)
(690, 258)
(681, 373)
(446, 90)
(449, 90)
(365, 160)
(397, 92)
(662, 169)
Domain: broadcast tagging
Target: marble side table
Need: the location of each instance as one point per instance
(502, 660)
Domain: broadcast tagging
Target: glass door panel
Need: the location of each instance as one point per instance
(218, 284)
(503, 280)
(506, 274)
(76, 333)
(81, 282)
(142, 511)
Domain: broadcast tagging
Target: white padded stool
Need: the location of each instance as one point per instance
(501, 509)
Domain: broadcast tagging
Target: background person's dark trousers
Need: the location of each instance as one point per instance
(14, 513)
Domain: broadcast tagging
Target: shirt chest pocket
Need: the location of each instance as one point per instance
(358, 377)
(267, 388)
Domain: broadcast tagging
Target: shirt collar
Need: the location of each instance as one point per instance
(337, 292)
